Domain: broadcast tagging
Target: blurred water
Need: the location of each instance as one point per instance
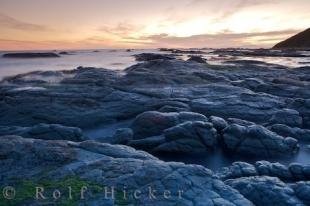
(109, 59)
(217, 159)
(117, 60)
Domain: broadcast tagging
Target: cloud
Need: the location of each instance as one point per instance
(227, 10)
(220, 40)
(12, 23)
(121, 29)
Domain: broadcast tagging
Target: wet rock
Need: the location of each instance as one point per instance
(153, 123)
(250, 83)
(256, 140)
(302, 190)
(218, 123)
(294, 172)
(274, 170)
(295, 132)
(168, 108)
(189, 137)
(303, 107)
(147, 144)
(122, 136)
(237, 103)
(265, 190)
(240, 122)
(45, 131)
(237, 170)
(288, 117)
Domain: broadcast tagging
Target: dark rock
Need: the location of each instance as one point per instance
(122, 136)
(256, 140)
(189, 137)
(197, 59)
(147, 144)
(45, 131)
(153, 123)
(169, 108)
(218, 123)
(245, 62)
(65, 53)
(237, 170)
(298, 41)
(288, 117)
(180, 51)
(294, 172)
(250, 83)
(259, 53)
(112, 165)
(295, 132)
(30, 55)
(240, 122)
(264, 190)
(152, 56)
(235, 102)
(302, 191)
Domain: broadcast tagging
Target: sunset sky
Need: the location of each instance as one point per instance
(85, 24)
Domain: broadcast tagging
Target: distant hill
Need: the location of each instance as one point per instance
(299, 41)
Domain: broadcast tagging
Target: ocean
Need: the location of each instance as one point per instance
(117, 60)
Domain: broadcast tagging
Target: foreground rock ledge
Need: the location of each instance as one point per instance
(109, 165)
(112, 165)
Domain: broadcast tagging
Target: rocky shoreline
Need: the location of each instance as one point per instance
(248, 108)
